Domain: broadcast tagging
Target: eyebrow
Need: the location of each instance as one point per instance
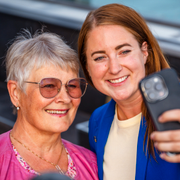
(122, 45)
(116, 48)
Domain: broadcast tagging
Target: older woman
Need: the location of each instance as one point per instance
(116, 50)
(44, 87)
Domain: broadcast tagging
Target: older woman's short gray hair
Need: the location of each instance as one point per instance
(35, 51)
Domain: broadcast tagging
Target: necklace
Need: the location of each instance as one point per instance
(55, 165)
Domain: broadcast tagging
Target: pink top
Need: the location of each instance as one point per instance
(10, 168)
(71, 171)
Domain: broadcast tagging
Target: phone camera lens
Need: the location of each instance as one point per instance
(158, 86)
(152, 96)
(147, 85)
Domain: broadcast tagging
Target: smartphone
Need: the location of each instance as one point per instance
(161, 92)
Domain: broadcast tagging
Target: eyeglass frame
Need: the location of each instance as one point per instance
(60, 87)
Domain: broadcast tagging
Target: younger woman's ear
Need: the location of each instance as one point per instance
(144, 49)
(13, 90)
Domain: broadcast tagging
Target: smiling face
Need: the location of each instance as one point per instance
(53, 115)
(115, 62)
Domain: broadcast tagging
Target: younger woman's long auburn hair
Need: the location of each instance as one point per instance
(117, 14)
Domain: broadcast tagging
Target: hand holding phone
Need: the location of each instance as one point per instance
(161, 92)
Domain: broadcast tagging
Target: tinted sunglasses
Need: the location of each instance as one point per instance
(50, 87)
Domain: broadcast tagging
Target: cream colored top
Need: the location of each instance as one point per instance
(121, 148)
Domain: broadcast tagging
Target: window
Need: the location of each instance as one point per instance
(166, 11)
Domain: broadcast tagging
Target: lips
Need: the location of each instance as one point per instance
(56, 111)
(119, 80)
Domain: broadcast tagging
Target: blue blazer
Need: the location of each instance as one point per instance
(146, 167)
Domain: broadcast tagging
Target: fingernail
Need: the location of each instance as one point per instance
(155, 144)
(160, 119)
(152, 136)
(162, 155)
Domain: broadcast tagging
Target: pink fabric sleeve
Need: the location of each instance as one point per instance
(10, 169)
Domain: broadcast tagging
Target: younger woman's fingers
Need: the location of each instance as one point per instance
(171, 115)
(166, 136)
(172, 159)
(167, 146)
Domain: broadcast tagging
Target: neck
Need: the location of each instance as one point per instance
(129, 109)
(40, 141)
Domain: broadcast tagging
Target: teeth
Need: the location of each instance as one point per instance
(118, 80)
(55, 112)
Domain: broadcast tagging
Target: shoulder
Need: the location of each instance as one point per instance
(84, 160)
(107, 109)
(80, 154)
(5, 143)
(6, 154)
(10, 168)
(100, 115)
(78, 150)
(4, 135)
(6, 150)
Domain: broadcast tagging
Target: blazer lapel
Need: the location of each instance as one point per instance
(142, 155)
(104, 128)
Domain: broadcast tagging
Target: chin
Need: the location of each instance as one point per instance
(57, 129)
(120, 96)
(61, 129)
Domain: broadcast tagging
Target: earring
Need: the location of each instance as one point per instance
(17, 107)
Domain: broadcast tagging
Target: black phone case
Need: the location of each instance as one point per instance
(172, 101)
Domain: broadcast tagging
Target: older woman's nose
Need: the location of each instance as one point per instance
(63, 95)
(114, 65)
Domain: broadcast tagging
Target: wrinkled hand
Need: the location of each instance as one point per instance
(168, 141)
